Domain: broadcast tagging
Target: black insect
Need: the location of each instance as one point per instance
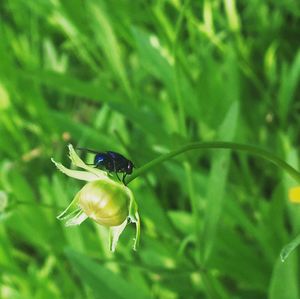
(112, 162)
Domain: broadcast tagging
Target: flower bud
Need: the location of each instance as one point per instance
(105, 202)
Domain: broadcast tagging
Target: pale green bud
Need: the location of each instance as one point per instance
(105, 202)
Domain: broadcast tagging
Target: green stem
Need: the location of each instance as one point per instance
(253, 150)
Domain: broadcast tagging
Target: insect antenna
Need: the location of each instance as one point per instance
(87, 150)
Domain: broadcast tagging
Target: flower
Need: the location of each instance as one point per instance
(105, 201)
(294, 194)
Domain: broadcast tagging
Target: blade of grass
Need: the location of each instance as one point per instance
(289, 248)
(103, 282)
(285, 280)
(216, 185)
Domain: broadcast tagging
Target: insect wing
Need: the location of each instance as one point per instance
(120, 162)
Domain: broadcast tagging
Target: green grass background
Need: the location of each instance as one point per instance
(142, 78)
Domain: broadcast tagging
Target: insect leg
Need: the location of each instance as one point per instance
(123, 178)
(117, 176)
(115, 168)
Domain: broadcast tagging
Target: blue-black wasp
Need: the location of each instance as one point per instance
(112, 162)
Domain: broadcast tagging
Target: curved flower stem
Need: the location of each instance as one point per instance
(253, 150)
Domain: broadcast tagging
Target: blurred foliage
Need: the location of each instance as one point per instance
(141, 78)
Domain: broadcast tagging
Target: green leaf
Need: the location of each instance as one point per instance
(285, 280)
(3, 201)
(103, 282)
(91, 136)
(289, 248)
(107, 40)
(151, 57)
(289, 83)
(71, 85)
(217, 182)
(183, 221)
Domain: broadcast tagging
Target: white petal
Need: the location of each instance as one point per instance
(79, 163)
(71, 209)
(76, 174)
(115, 232)
(77, 219)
